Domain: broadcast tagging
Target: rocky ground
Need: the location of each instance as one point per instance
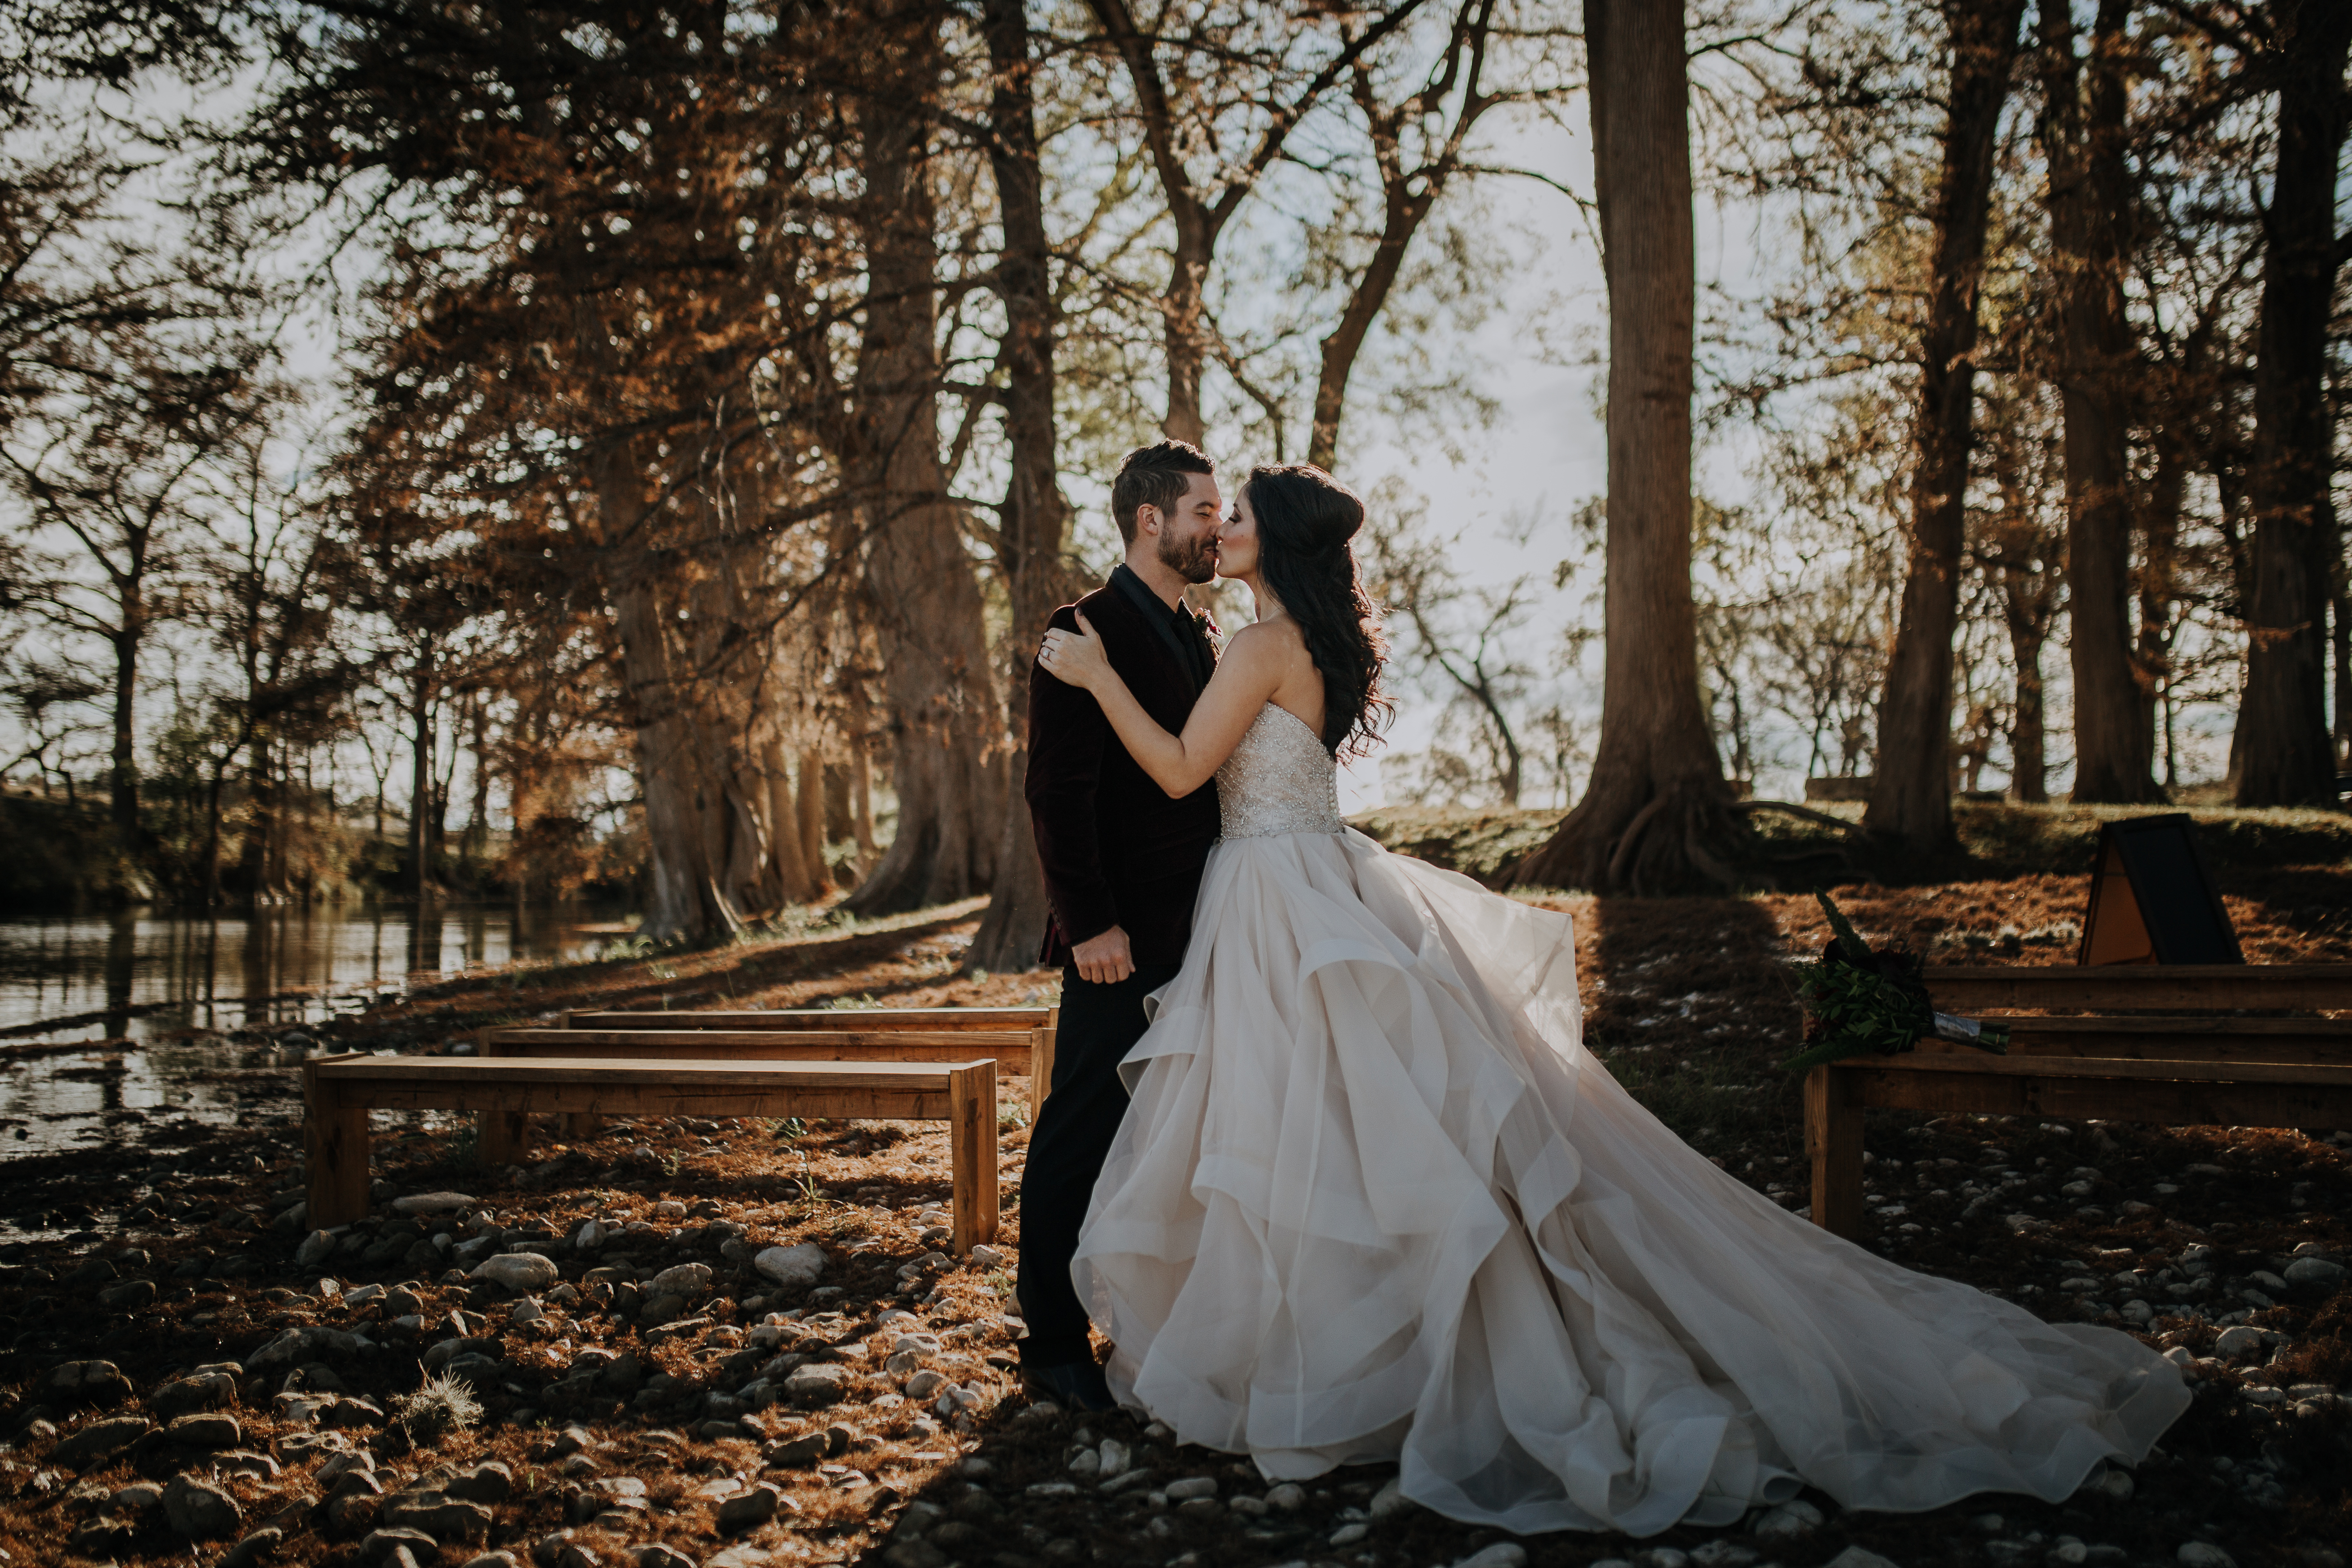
(730, 1343)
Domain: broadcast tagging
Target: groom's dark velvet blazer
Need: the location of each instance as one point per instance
(1115, 849)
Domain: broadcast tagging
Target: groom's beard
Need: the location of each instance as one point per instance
(1195, 560)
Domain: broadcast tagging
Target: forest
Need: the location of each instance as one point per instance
(490, 451)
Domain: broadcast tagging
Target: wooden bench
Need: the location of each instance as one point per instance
(1013, 1052)
(1971, 989)
(337, 1093)
(2178, 1071)
(1036, 1059)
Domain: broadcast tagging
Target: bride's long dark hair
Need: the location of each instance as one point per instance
(1305, 519)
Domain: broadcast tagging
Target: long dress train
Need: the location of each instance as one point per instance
(1373, 1199)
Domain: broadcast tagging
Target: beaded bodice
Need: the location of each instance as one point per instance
(1278, 780)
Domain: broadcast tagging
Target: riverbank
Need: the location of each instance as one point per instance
(869, 1415)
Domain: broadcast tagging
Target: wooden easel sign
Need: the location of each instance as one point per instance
(2152, 898)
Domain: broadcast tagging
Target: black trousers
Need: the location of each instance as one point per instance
(1098, 1025)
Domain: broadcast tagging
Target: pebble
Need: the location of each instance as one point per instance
(1191, 1487)
(1859, 1557)
(200, 1510)
(417, 1203)
(2314, 1271)
(522, 1273)
(791, 1267)
(748, 1511)
(2203, 1555)
(2233, 1343)
(1502, 1554)
(1787, 1521)
(1287, 1498)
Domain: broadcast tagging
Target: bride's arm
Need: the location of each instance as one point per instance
(1246, 679)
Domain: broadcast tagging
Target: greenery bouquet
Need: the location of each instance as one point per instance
(1858, 1000)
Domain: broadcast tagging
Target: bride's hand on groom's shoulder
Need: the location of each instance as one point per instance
(1076, 659)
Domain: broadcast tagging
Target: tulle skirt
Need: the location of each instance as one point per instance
(1373, 1200)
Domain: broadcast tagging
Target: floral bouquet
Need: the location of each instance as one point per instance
(1858, 1000)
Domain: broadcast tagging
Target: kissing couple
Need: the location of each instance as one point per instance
(1328, 1163)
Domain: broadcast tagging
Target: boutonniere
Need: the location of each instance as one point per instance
(1206, 629)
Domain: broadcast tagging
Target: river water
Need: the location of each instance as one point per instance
(155, 1012)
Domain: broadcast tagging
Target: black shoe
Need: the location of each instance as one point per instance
(1075, 1384)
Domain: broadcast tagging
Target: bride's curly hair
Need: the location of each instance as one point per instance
(1305, 519)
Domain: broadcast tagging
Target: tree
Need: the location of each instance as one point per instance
(2090, 201)
(1911, 800)
(1239, 99)
(2285, 755)
(1419, 145)
(1032, 526)
(1656, 813)
(922, 596)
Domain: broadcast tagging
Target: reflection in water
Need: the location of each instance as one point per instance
(174, 987)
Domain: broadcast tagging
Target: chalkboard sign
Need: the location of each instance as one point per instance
(2152, 898)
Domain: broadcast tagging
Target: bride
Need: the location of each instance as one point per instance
(1373, 1200)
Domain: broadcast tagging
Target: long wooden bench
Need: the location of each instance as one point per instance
(337, 1093)
(1991, 987)
(2197, 1070)
(1036, 1059)
(1013, 1052)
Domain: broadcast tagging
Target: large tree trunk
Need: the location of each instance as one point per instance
(946, 722)
(2089, 203)
(1911, 802)
(1656, 813)
(1033, 530)
(2285, 757)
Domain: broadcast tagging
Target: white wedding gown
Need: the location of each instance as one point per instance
(1374, 1200)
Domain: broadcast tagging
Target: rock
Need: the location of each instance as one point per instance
(128, 1298)
(98, 1440)
(690, 1280)
(986, 1257)
(748, 1511)
(492, 1560)
(382, 1544)
(1112, 1459)
(417, 1203)
(83, 1383)
(797, 1452)
(492, 1483)
(212, 1429)
(521, 1273)
(2314, 1271)
(315, 1249)
(437, 1514)
(197, 1390)
(1389, 1499)
(914, 1555)
(2202, 1555)
(99, 1538)
(1858, 1557)
(2233, 1343)
(1191, 1487)
(1788, 1522)
(136, 1497)
(925, 1383)
(1288, 1498)
(1721, 1554)
(261, 1543)
(1502, 1554)
(200, 1510)
(825, 1383)
(2110, 1483)
(659, 1556)
(791, 1267)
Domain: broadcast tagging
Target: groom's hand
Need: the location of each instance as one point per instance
(1104, 960)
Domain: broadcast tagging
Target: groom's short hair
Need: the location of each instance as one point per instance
(1157, 475)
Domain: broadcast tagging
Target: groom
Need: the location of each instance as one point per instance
(1122, 864)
